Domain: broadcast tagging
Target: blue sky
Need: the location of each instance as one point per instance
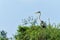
(13, 11)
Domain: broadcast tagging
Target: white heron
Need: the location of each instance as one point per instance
(42, 23)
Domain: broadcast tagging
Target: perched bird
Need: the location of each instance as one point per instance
(42, 23)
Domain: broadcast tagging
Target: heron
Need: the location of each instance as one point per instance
(42, 23)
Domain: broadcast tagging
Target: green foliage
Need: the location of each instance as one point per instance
(37, 33)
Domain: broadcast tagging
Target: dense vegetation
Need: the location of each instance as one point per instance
(38, 33)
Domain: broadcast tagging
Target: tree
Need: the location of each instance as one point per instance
(36, 32)
(3, 35)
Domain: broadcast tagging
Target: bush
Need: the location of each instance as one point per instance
(37, 33)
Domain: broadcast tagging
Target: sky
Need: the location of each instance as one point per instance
(13, 11)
